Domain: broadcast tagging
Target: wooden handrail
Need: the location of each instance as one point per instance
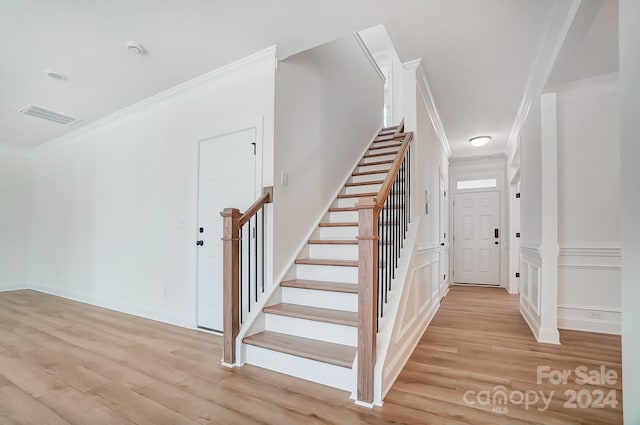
(233, 221)
(369, 209)
(259, 203)
(385, 189)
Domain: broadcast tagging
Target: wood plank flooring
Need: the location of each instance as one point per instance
(63, 362)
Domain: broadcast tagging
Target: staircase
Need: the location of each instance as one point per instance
(309, 326)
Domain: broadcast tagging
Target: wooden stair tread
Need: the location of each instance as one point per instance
(344, 224)
(326, 352)
(395, 145)
(366, 173)
(337, 317)
(366, 164)
(342, 209)
(378, 154)
(326, 262)
(333, 241)
(349, 288)
(357, 195)
(350, 184)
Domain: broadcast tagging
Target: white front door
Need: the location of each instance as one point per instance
(227, 179)
(476, 238)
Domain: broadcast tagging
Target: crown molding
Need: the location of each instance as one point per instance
(556, 29)
(427, 97)
(14, 150)
(204, 79)
(489, 157)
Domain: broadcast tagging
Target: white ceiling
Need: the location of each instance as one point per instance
(478, 54)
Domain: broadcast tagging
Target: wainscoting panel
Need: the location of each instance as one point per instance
(589, 288)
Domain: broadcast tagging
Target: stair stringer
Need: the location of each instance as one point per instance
(405, 320)
(255, 321)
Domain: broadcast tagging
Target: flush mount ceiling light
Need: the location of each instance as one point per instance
(480, 141)
(136, 48)
(56, 75)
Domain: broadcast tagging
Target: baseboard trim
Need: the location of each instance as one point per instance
(13, 286)
(590, 319)
(120, 308)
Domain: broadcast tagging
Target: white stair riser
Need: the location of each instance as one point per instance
(362, 189)
(347, 202)
(379, 158)
(311, 370)
(391, 150)
(327, 273)
(328, 332)
(327, 251)
(343, 216)
(323, 299)
(368, 177)
(349, 232)
(374, 167)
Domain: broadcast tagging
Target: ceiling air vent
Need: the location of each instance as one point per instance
(47, 114)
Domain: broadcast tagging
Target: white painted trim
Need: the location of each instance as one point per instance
(369, 56)
(578, 319)
(590, 307)
(77, 134)
(13, 286)
(364, 404)
(549, 247)
(466, 159)
(589, 266)
(556, 30)
(424, 89)
(590, 251)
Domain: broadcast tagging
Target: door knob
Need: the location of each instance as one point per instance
(441, 243)
(200, 243)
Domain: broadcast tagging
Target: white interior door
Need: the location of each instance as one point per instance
(227, 179)
(476, 240)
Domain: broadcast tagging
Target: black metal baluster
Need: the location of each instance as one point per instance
(262, 242)
(248, 235)
(240, 298)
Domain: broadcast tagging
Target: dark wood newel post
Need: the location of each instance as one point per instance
(231, 282)
(367, 295)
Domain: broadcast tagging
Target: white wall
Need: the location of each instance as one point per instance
(589, 286)
(630, 150)
(114, 207)
(15, 220)
(328, 109)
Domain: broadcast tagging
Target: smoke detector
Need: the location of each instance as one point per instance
(136, 48)
(51, 73)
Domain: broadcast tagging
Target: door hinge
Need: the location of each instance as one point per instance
(254, 147)
(445, 193)
(517, 234)
(518, 195)
(517, 274)
(444, 277)
(445, 235)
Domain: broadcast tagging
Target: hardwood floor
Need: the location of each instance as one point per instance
(63, 362)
